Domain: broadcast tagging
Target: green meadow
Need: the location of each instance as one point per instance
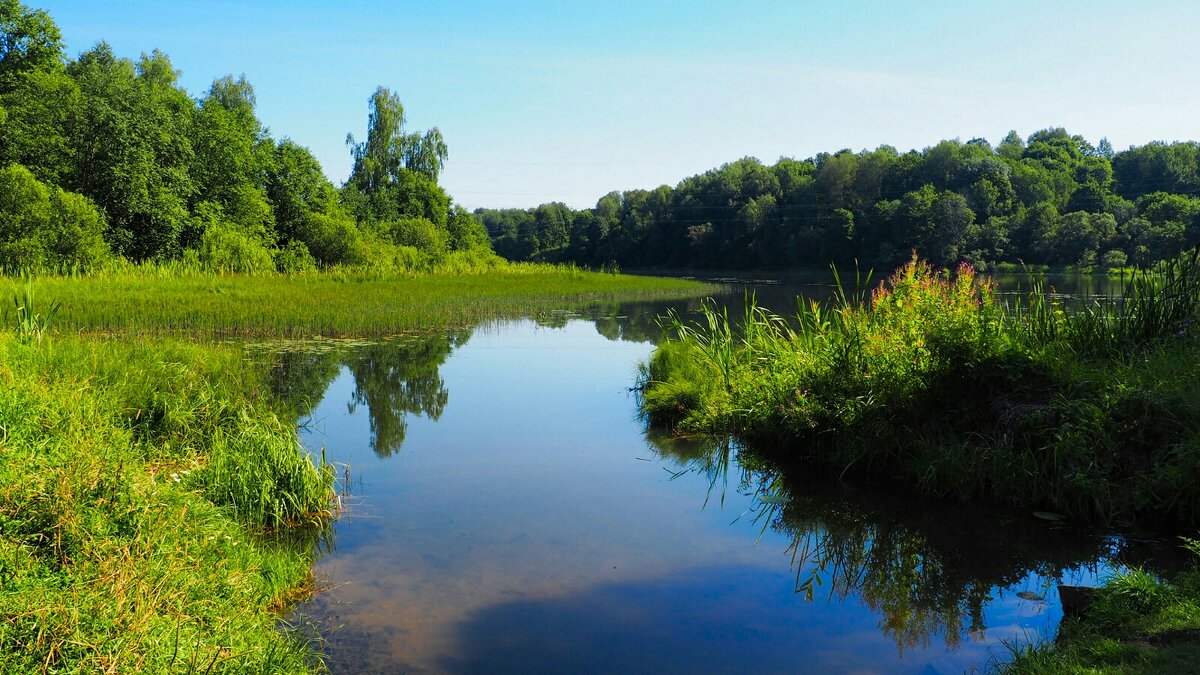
(332, 303)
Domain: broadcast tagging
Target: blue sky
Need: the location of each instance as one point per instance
(542, 101)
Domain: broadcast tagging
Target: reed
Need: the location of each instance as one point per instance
(30, 323)
(147, 301)
(1155, 306)
(1091, 410)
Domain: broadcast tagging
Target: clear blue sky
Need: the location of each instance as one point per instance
(561, 100)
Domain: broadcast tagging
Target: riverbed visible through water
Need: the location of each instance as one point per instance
(506, 511)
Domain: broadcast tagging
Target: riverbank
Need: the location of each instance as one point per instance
(1135, 623)
(1089, 412)
(158, 512)
(151, 509)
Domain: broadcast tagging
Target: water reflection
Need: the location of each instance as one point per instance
(531, 526)
(393, 379)
(927, 568)
(397, 380)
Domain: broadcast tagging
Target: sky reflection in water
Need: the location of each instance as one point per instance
(509, 514)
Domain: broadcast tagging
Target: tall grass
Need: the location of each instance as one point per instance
(1155, 305)
(338, 302)
(29, 320)
(1092, 410)
(129, 540)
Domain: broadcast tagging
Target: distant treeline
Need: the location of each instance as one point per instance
(1052, 198)
(104, 158)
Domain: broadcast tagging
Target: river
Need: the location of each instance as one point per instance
(506, 511)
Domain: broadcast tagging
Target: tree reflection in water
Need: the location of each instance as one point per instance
(397, 379)
(393, 379)
(927, 568)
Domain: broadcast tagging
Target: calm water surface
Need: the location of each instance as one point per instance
(507, 512)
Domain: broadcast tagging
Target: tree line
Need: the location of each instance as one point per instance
(1052, 198)
(104, 158)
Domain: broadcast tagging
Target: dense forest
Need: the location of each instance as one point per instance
(1052, 198)
(105, 158)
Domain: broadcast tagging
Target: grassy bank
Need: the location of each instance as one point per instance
(147, 491)
(333, 303)
(1093, 412)
(1135, 623)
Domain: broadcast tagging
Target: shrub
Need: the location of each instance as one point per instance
(1114, 259)
(417, 233)
(46, 228)
(293, 258)
(331, 239)
(223, 248)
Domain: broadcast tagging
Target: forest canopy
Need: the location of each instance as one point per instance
(1052, 198)
(104, 157)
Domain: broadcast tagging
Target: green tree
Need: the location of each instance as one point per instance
(231, 156)
(1078, 236)
(133, 150)
(29, 41)
(389, 149)
(40, 108)
(465, 232)
(44, 227)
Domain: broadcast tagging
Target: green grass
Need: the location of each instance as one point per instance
(157, 513)
(132, 536)
(1093, 412)
(1136, 624)
(333, 303)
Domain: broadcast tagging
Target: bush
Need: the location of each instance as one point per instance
(378, 255)
(46, 228)
(418, 233)
(223, 248)
(1114, 259)
(294, 258)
